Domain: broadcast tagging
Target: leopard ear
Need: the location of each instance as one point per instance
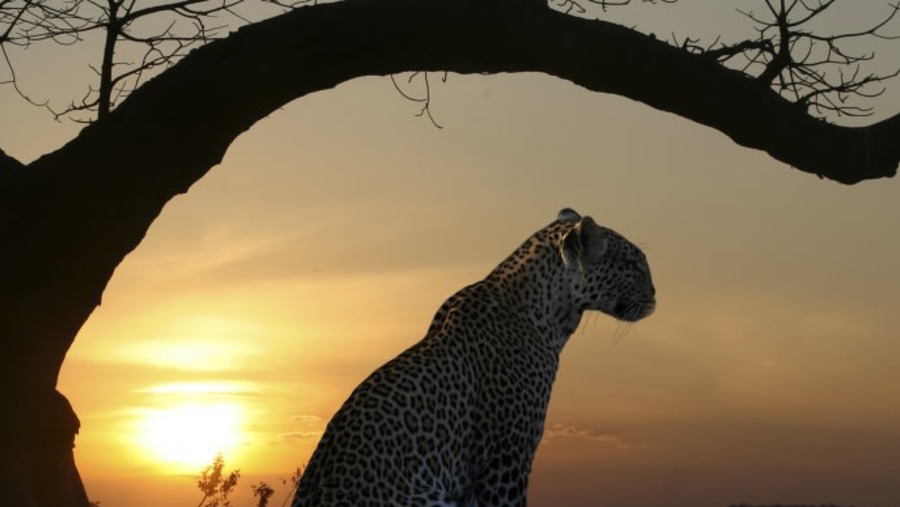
(568, 215)
(585, 244)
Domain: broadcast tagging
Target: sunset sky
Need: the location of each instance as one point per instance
(322, 245)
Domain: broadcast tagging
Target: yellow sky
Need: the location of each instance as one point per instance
(334, 229)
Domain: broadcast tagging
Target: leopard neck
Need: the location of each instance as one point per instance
(534, 283)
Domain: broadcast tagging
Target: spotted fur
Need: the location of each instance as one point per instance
(455, 419)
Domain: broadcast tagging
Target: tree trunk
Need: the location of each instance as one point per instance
(56, 481)
(70, 217)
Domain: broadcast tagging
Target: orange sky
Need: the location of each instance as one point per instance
(323, 244)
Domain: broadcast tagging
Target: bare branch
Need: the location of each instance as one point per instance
(725, 52)
(424, 100)
(13, 81)
(813, 70)
(582, 7)
(186, 25)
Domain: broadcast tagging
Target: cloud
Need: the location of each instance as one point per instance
(301, 435)
(305, 426)
(324, 247)
(306, 419)
(561, 431)
(204, 387)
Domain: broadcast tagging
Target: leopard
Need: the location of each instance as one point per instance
(456, 419)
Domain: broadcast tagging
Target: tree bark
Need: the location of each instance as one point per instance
(70, 217)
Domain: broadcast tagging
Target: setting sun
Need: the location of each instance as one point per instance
(187, 437)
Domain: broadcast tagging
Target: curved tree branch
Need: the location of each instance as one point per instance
(73, 214)
(8, 163)
(292, 55)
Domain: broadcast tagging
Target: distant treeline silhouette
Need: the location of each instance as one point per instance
(789, 505)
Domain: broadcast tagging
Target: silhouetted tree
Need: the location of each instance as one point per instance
(263, 493)
(68, 218)
(216, 485)
(294, 481)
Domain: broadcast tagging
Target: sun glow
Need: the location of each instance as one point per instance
(186, 437)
